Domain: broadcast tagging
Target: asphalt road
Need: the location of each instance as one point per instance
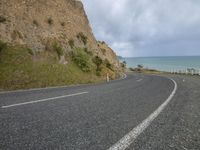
(97, 117)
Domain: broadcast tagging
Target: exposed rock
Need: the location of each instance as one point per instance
(38, 23)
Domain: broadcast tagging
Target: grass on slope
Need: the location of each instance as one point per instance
(21, 69)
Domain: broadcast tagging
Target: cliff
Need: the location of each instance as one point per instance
(43, 26)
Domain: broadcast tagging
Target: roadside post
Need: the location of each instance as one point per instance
(107, 77)
(199, 72)
(192, 72)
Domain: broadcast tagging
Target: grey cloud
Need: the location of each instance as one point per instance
(147, 27)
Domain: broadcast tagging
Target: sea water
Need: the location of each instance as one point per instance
(165, 63)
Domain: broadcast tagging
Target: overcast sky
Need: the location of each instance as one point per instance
(147, 27)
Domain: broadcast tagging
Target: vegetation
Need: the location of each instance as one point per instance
(82, 59)
(82, 37)
(88, 52)
(2, 45)
(108, 64)
(58, 49)
(50, 21)
(16, 34)
(2, 19)
(123, 64)
(35, 23)
(30, 51)
(140, 66)
(98, 62)
(62, 24)
(71, 43)
(20, 70)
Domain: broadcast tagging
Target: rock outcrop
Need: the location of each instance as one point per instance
(38, 23)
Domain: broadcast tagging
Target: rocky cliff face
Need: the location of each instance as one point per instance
(39, 23)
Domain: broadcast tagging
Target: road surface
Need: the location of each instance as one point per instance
(138, 112)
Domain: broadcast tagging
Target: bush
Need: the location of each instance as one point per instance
(88, 52)
(123, 64)
(2, 45)
(58, 49)
(30, 51)
(35, 23)
(98, 61)
(2, 19)
(71, 43)
(50, 21)
(108, 64)
(62, 24)
(140, 66)
(82, 59)
(82, 37)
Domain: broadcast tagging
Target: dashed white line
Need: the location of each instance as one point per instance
(139, 80)
(43, 100)
(129, 138)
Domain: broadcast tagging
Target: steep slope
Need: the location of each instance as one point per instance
(50, 33)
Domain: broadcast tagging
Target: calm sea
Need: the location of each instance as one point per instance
(165, 63)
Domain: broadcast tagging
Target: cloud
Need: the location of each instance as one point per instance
(147, 27)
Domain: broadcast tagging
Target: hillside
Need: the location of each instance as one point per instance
(50, 42)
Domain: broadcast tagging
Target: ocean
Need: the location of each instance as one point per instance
(165, 63)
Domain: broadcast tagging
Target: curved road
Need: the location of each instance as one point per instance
(97, 117)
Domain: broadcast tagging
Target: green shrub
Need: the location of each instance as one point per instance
(58, 49)
(108, 64)
(82, 37)
(30, 51)
(35, 23)
(123, 64)
(62, 24)
(2, 19)
(140, 66)
(71, 43)
(3, 45)
(82, 59)
(98, 73)
(88, 52)
(50, 21)
(98, 61)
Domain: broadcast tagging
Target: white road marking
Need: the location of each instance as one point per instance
(139, 80)
(129, 138)
(43, 100)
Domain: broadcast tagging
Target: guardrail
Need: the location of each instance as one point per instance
(191, 71)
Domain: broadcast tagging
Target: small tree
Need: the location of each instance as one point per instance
(124, 64)
(140, 66)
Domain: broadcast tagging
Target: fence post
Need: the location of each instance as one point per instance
(192, 72)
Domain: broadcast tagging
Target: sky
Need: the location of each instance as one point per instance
(142, 28)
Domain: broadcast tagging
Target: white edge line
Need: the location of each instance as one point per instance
(129, 138)
(42, 100)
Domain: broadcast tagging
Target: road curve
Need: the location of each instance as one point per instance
(88, 117)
